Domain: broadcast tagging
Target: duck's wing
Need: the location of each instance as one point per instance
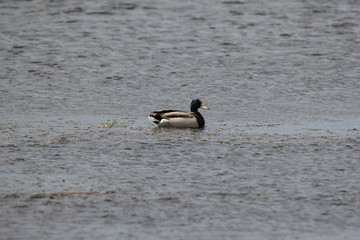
(157, 116)
(177, 114)
(161, 112)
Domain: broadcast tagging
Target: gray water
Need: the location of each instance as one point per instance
(278, 159)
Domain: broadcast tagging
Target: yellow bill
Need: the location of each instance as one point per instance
(202, 106)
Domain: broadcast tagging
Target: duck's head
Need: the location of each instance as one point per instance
(196, 104)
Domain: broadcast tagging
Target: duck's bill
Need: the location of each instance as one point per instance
(202, 106)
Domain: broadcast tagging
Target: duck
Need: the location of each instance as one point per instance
(180, 119)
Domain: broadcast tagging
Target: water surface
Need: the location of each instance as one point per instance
(278, 159)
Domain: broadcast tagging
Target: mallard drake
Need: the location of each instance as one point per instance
(180, 119)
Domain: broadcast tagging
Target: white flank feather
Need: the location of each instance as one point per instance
(179, 123)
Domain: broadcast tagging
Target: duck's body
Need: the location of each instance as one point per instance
(180, 119)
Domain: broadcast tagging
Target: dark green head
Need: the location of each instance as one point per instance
(196, 104)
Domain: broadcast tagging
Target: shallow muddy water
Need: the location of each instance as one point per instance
(278, 158)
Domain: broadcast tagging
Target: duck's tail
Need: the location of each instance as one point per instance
(153, 119)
